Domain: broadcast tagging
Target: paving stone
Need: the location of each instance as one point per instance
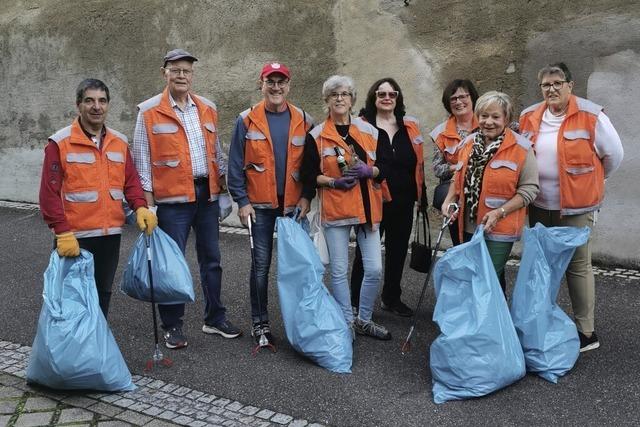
(186, 410)
(170, 387)
(153, 411)
(317, 425)
(246, 419)
(3, 344)
(265, 414)
(12, 369)
(160, 395)
(74, 415)
(39, 403)
(281, 418)
(97, 396)
(216, 410)
(110, 398)
(201, 415)
(8, 406)
(10, 392)
(34, 419)
(143, 381)
(7, 379)
(197, 423)
(194, 394)
(231, 423)
(261, 423)
(160, 423)
(182, 391)
(113, 423)
(207, 398)
(105, 409)
(12, 346)
(124, 403)
(156, 384)
(134, 418)
(235, 406)
(249, 410)
(168, 415)
(79, 401)
(183, 419)
(221, 402)
(215, 419)
(139, 406)
(298, 423)
(201, 406)
(231, 415)
(4, 420)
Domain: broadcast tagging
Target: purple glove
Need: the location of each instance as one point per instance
(360, 170)
(343, 183)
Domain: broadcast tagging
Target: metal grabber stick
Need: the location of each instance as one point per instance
(452, 208)
(157, 358)
(263, 341)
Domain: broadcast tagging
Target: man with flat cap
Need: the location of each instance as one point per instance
(265, 157)
(181, 166)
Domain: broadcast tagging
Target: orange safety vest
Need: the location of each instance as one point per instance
(259, 161)
(171, 171)
(580, 170)
(346, 207)
(446, 137)
(93, 180)
(499, 184)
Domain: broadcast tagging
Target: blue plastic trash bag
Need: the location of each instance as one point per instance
(172, 282)
(477, 351)
(74, 348)
(312, 319)
(548, 336)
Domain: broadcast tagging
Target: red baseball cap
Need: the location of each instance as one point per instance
(274, 67)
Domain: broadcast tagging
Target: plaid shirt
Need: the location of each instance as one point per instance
(191, 122)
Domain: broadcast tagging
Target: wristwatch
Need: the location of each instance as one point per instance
(503, 212)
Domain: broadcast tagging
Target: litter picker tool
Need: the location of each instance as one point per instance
(453, 208)
(158, 358)
(263, 342)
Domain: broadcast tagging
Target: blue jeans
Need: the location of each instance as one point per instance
(338, 244)
(262, 230)
(177, 220)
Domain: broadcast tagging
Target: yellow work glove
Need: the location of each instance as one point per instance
(146, 219)
(67, 244)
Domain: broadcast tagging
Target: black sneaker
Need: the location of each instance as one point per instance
(224, 328)
(371, 329)
(590, 343)
(398, 308)
(262, 328)
(174, 338)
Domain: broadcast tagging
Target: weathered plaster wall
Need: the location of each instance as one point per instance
(48, 46)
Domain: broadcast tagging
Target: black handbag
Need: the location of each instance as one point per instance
(440, 193)
(421, 252)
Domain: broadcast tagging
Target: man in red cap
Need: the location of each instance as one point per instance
(177, 152)
(265, 157)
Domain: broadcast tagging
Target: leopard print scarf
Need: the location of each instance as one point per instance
(480, 156)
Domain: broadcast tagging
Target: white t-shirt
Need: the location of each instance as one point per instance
(606, 142)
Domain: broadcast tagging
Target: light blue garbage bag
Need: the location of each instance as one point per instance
(548, 336)
(172, 282)
(477, 351)
(312, 319)
(74, 348)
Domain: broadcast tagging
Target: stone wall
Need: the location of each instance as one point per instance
(48, 46)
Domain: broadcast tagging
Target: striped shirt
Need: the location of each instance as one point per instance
(197, 149)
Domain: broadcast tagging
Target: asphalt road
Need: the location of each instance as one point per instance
(385, 388)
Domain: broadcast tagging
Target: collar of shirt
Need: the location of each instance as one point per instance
(91, 136)
(174, 104)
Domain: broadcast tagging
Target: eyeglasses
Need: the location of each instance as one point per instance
(336, 95)
(276, 83)
(557, 85)
(460, 98)
(178, 71)
(391, 95)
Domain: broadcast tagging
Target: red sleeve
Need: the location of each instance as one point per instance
(132, 188)
(50, 190)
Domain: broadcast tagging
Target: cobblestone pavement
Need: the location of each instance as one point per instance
(154, 403)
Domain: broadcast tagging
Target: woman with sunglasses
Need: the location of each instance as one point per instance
(343, 158)
(384, 108)
(459, 99)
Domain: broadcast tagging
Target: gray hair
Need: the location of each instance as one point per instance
(559, 68)
(87, 84)
(494, 97)
(336, 81)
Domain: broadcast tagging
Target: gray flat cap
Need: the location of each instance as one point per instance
(175, 54)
